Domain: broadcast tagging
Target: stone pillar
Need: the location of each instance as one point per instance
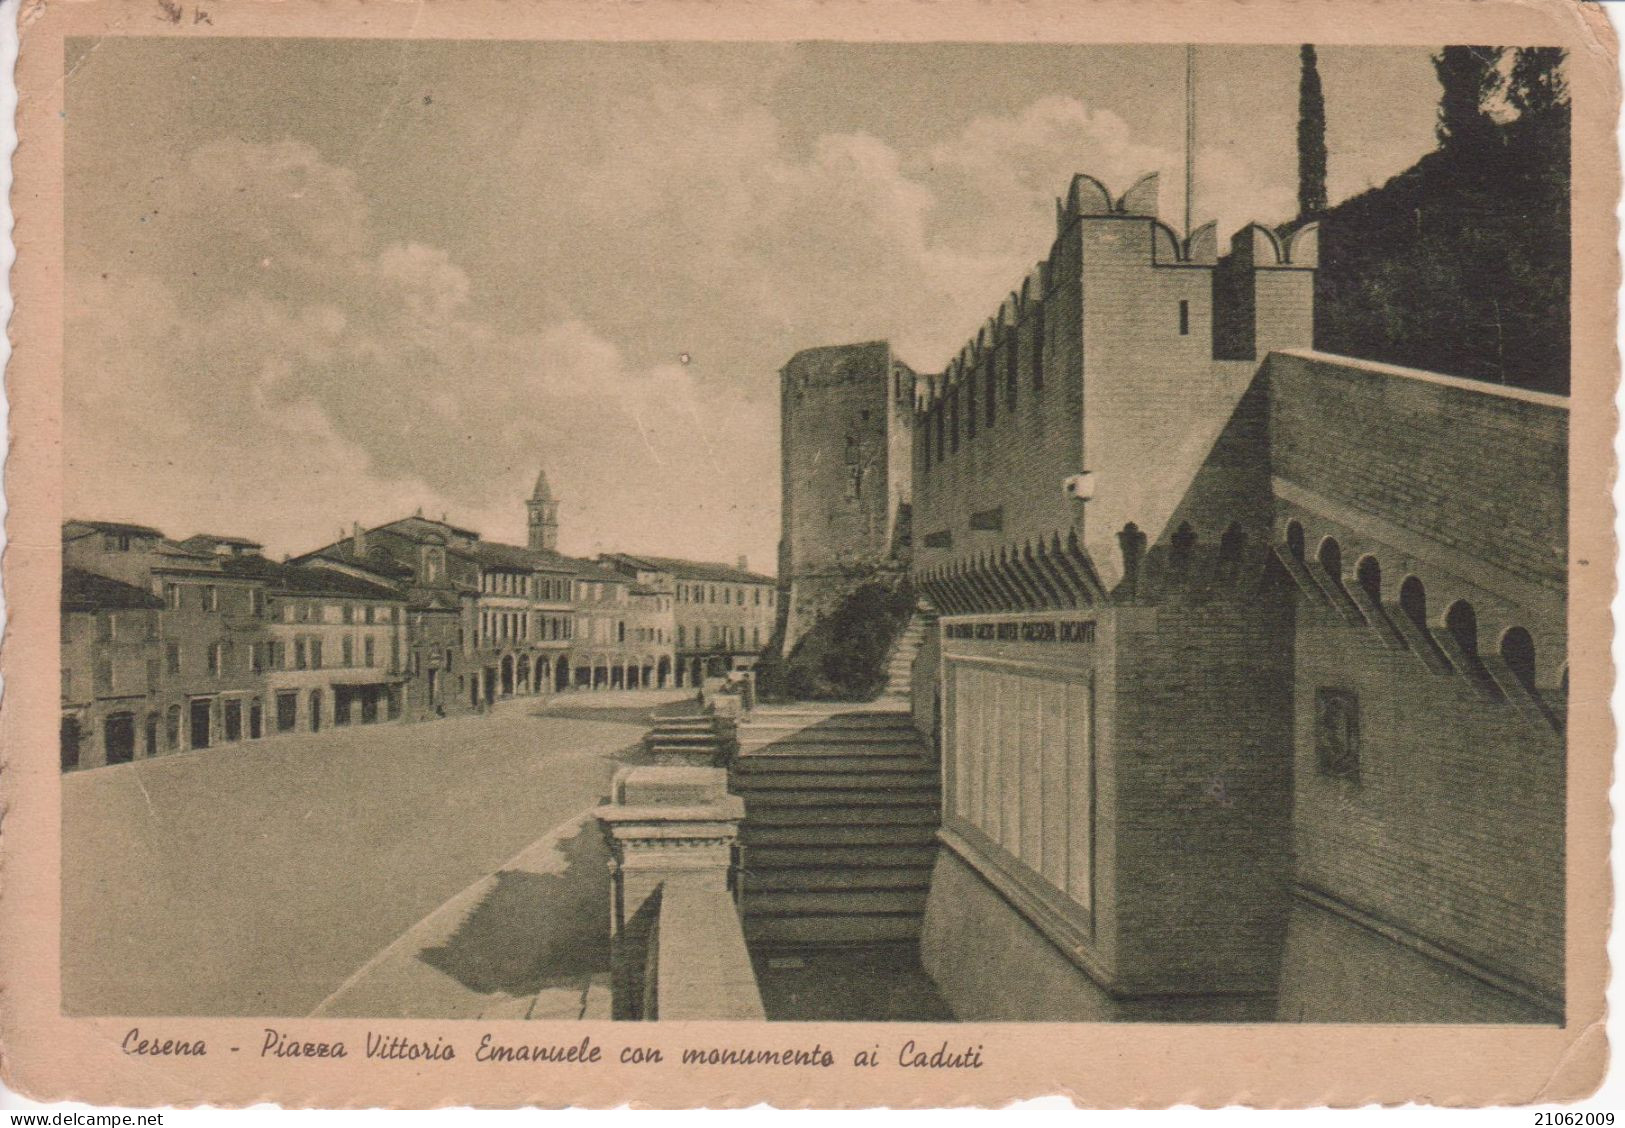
(667, 824)
(669, 828)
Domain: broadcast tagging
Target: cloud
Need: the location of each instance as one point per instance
(258, 355)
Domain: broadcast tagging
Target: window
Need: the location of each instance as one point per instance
(1184, 319)
(67, 683)
(172, 657)
(315, 653)
(301, 653)
(215, 654)
(256, 656)
(256, 602)
(620, 631)
(371, 613)
(211, 598)
(1337, 733)
(348, 651)
(1462, 622)
(151, 621)
(172, 727)
(172, 596)
(681, 631)
(1413, 600)
(106, 627)
(369, 652)
(349, 613)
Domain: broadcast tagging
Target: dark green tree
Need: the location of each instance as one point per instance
(1311, 138)
(1468, 76)
(1536, 86)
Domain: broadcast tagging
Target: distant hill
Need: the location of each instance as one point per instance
(1460, 264)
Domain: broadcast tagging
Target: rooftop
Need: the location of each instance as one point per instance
(87, 591)
(692, 569)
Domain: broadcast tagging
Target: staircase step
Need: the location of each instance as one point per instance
(843, 762)
(761, 879)
(810, 930)
(771, 752)
(755, 836)
(780, 859)
(766, 815)
(760, 782)
(759, 738)
(855, 902)
(834, 717)
(838, 797)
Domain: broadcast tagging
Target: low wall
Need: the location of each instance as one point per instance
(700, 968)
(990, 964)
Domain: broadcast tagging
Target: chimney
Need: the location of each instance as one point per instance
(744, 563)
(358, 540)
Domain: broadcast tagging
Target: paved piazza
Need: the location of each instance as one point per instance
(268, 878)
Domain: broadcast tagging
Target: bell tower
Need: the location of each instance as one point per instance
(544, 515)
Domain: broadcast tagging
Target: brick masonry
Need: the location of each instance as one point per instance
(1228, 858)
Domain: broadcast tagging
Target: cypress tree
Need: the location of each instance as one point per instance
(1311, 138)
(1468, 76)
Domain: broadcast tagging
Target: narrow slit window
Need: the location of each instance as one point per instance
(1184, 319)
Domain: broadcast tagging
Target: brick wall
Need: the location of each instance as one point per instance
(1199, 751)
(1476, 468)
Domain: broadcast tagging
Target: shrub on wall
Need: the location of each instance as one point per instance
(843, 657)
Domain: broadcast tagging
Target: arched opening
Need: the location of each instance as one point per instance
(543, 675)
(663, 672)
(1331, 559)
(1462, 622)
(507, 675)
(1181, 545)
(522, 670)
(1518, 652)
(1231, 546)
(561, 674)
(1294, 539)
(1369, 574)
(1413, 600)
(256, 719)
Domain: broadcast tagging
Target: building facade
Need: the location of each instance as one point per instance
(111, 646)
(846, 435)
(722, 617)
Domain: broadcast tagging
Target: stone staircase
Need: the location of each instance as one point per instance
(699, 741)
(900, 667)
(842, 807)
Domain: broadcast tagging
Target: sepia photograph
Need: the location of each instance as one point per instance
(560, 532)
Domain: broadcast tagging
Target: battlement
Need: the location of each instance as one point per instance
(1101, 240)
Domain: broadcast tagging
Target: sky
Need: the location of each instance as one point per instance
(314, 282)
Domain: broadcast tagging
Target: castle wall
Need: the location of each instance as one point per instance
(1326, 699)
(1448, 838)
(1006, 478)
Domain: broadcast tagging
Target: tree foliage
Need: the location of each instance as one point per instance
(1311, 138)
(1460, 264)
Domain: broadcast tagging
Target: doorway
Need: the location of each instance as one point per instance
(118, 737)
(200, 718)
(315, 710)
(234, 720)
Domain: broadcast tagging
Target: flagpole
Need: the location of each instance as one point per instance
(1190, 133)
